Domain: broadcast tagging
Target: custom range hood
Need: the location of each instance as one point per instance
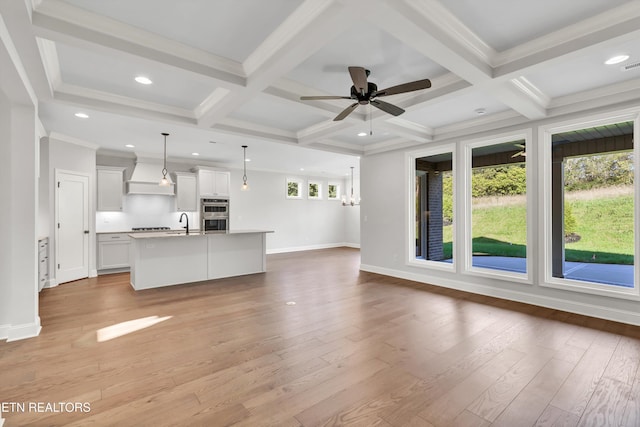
(146, 177)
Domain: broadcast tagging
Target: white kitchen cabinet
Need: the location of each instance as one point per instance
(110, 187)
(213, 182)
(43, 262)
(186, 192)
(113, 250)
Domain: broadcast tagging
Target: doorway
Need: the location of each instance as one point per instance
(71, 226)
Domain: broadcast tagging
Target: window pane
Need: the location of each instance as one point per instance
(593, 204)
(434, 208)
(499, 203)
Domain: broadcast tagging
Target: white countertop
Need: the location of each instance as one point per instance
(192, 233)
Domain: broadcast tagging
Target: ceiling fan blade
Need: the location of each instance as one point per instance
(311, 98)
(346, 112)
(359, 77)
(405, 87)
(386, 107)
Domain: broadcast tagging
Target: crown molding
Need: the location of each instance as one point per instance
(241, 127)
(210, 101)
(49, 56)
(56, 136)
(121, 105)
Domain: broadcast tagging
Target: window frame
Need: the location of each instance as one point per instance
(466, 208)
(314, 182)
(300, 183)
(545, 134)
(410, 234)
(338, 188)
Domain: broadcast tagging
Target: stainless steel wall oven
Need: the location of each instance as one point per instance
(214, 215)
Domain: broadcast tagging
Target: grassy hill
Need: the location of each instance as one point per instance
(604, 223)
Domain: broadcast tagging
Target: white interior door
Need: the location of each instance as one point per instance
(72, 226)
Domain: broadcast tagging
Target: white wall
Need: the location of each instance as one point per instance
(5, 215)
(18, 193)
(298, 224)
(384, 235)
(67, 156)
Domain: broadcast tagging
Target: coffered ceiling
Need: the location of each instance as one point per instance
(233, 71)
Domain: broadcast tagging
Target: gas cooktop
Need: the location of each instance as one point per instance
(150, 228)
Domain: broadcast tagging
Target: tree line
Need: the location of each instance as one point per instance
(580, 173)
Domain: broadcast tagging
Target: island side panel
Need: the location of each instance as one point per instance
(236, 254)
(168, 261)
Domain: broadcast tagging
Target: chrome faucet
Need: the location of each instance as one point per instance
(187, 217)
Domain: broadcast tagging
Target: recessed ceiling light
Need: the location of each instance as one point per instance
(130, 146)
(616, 59)
(481, 111)
(82, 115)
(301, 169)
(247, 160)
(143, 80)
(195, 154)
(362, 134)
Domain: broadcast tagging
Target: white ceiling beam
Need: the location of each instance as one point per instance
(62, 22)
(244, 128)
(121, 105)
(407, 129)
(21, 46)
(429, 28)
(306, 30)
(613, 27)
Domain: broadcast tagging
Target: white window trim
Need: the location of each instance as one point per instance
(410, 171)
(300, 188)
(309, 184)
(544, 150)
(338, 191)
(466, 207)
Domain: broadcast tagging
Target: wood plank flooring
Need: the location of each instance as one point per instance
(356, 349)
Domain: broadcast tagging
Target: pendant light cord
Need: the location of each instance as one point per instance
(244, 164)
(164, 169)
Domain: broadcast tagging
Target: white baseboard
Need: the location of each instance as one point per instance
(591, 310)
(310, 248)
(24, 331)
(51, 283)
(93, 273)
(4, 331)
(352, 245)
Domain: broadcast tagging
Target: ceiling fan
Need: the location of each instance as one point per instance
(522, 151)
(365, 92)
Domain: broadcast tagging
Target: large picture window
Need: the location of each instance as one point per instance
(433, 208)
(497, 227)
(592, 205)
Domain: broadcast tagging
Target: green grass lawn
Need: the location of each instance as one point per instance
(605, 226)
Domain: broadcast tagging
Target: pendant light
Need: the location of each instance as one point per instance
(245, 186)
(352, 199)
(164, 182)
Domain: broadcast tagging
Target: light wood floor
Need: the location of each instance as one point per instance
(355, 349)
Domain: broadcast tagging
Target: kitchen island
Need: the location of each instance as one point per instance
(172, 258)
